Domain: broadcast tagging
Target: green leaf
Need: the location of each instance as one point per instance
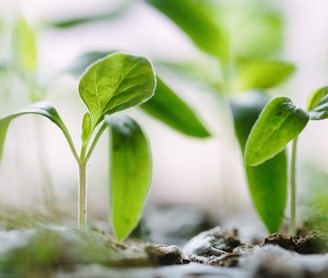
(245, 109)
(191, 17)
(170, 109)
(262, 74)
(130, 174)
(24, 46)
(279, 122)
(42, 108)
(267, 184)
(317, 104)
(86, 127)
(117, 82)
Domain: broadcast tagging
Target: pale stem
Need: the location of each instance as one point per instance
(292, 226)
(82, 205)
(82, 195)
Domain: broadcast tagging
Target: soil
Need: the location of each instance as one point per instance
(46, 250)
(305, 242)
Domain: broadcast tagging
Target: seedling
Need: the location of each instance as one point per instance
(112, 84)
(279, 123)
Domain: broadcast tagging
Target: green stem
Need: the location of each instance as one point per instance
(84, 157)
(292, 227)
(95, 141)
(82, 204)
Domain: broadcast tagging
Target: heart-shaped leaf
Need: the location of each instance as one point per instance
(130, 173)
(317, 104)
(117, 82)
(170, 109)
(42, 108)
(279, 123)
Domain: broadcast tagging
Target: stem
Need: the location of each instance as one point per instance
(95, 141)
(292, 227)
(70, 143)
(82, 204)
(82, 195)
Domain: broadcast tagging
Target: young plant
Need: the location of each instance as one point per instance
(112, 84)
(279, 123)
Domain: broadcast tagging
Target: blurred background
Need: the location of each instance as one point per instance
(38, 168)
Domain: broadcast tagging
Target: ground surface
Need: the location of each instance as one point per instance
(188, 244)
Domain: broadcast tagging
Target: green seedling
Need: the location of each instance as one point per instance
(279, 123)
(114, 83)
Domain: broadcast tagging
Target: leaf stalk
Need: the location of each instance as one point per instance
(292, 226)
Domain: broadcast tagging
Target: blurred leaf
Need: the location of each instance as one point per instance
(84, 61)
(262, 74)
(267, 184)
(24, 46)
(206, 72)
(279, 123)
(130, 174)
(317, 104)
(117, 82)
(114, 13)
(170, 109)
(191, 17)
(257, 32)
(43, 108)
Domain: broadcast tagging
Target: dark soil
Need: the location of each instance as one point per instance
(305, 242)
(223, 248)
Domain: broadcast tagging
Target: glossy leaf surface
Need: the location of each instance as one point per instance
(43, 108)
(267, 182)
(279, 123)
(262, 74)
(117, 82)
(318, 104)
(130, 174)
(170, 109)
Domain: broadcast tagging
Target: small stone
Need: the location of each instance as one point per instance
(161, 254)
(210, 246)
